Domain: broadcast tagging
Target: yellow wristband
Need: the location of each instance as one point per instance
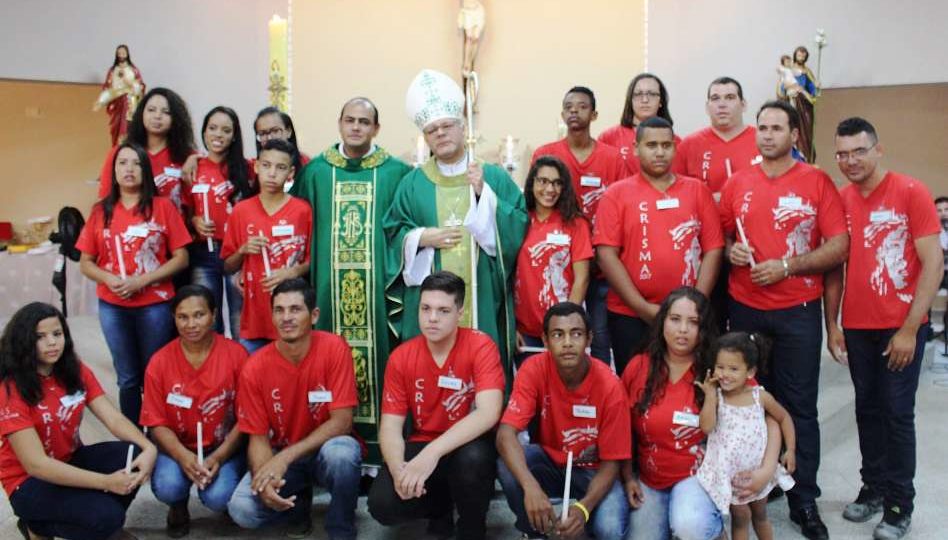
(582, 508)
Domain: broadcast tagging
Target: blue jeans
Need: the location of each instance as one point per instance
(601, 347)
(133, 335)
(252, 345)
(683, 511)
(337, 466)
(793, 377)
(885, 415)
(609, 520)
(76, 513)
(207, 269)
(171, 486)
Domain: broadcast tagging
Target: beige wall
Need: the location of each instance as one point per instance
(53, 145)
(912, 122)
(532, 51)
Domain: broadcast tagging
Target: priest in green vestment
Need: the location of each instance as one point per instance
(350, 187)
(457, 214)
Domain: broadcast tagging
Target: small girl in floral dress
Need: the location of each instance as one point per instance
(733, 416)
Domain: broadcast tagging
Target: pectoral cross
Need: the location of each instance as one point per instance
(453, 221)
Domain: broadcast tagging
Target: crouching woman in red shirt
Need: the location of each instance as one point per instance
(668, 445)
(57, 486)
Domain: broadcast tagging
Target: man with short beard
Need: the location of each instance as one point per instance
(785, 227)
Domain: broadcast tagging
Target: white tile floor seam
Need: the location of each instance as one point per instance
(839, 478)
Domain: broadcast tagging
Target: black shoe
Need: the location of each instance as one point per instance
(178, 522)
(894, 525)
(811, 526)
(866, 505)
(301, 519)
(774, 494)
(441, 527)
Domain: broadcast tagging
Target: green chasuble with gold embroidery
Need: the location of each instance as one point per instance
(426, 198)
(350, 198)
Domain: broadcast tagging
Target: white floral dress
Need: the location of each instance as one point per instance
(737, 444)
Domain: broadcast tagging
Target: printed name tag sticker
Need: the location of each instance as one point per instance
(200, 188)
(179, 400)
(584, 411)
(557, 239)
(73, 399)
(682, 418)
(665, 204)
(282, 230)
(451, 383)
(793, 203)
(320, 396)
(590, 181)
(173, 172)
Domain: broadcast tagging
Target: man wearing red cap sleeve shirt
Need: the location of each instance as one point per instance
(656, 232)
(593, 167)
(795, 230)
(893, 273)
(295, 400)
(267, 240)
(581, 409)
(451, 382)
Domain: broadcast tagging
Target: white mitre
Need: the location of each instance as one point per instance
(433, 96)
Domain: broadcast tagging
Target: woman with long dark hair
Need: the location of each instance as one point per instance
(191, 381)
(132, 245)
(221, 180)
(162, 126)
(666, 497)
(57, 486)
(553, 262)
(646, 97)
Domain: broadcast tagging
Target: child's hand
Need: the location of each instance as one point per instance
(709, 384)
(789, 460)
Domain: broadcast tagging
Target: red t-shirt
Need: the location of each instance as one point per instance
(545, 267)
(602, 168)
(783, 217)
(883, 268)
(288, 231)
(288, 401)
(178, 396)
(592, 421)
(145, 246)
(218, 193)
(667, 452)
(58, 431)
(438, 398)
(661, 237)
(167, 174)
(623, 139)
(706, 156)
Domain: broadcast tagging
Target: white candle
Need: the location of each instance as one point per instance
(740, 231)
(119, 256)
(207, 219)
(569, 477)
(727, 166)
(200, 442)
(128, 459)
(421, 151)
(509, 147)
(266, 260)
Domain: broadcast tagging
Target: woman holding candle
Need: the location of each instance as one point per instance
(666, 497)
(190, 388)
(132, 245)
(553, 262)
(221, 180)
(57, 486)
(268, 239)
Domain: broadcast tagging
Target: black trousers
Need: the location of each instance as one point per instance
(792, 375)
(463, 479)
(629, 336)
(885, 415)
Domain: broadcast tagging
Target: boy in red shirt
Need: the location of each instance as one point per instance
(451, 382)
(656, 232)
(295, 401)
(593, 167)
(581, 408)
(795, 230)
(893, 273)
(267, 239)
